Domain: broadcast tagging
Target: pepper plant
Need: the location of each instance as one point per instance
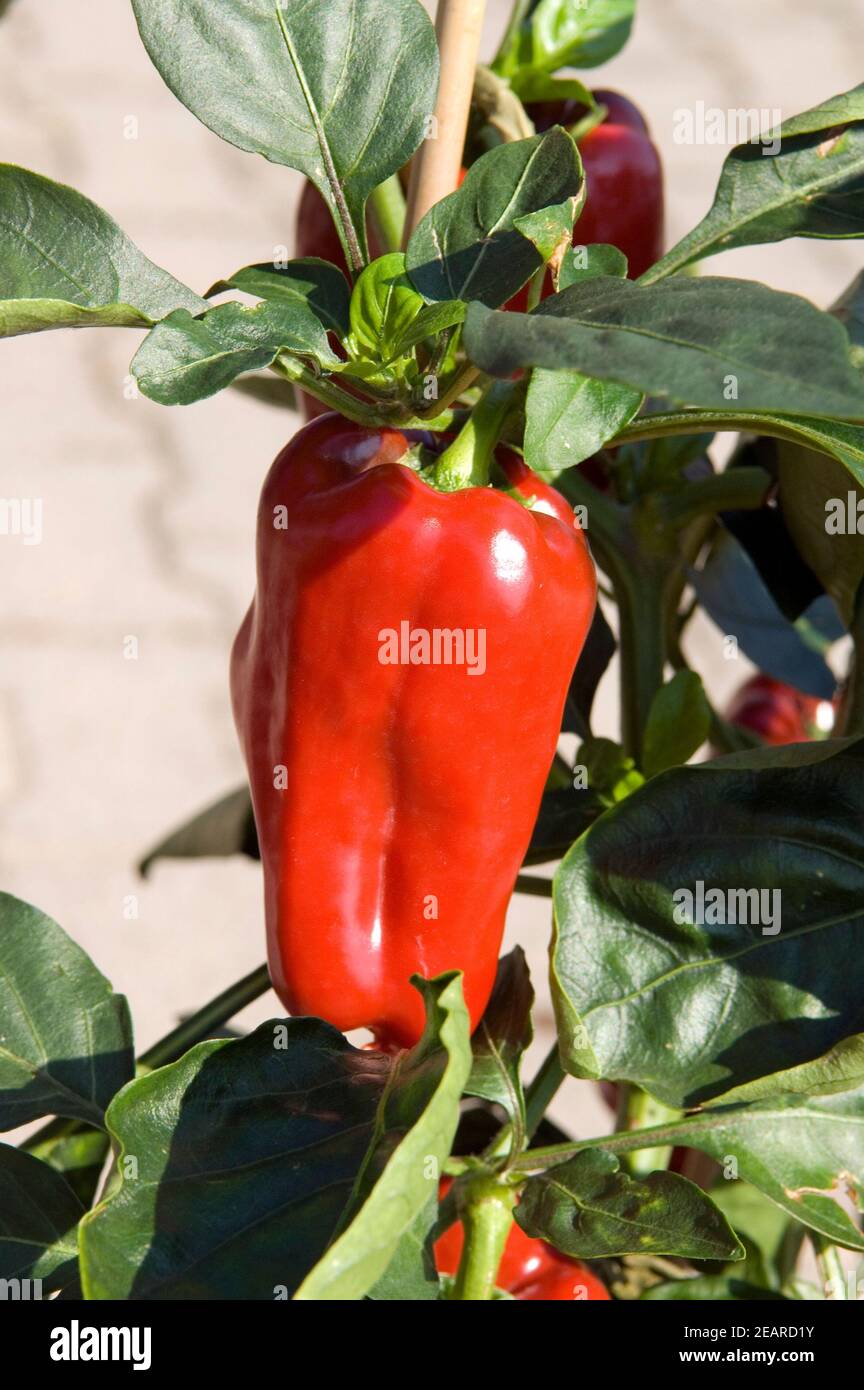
(705, 916)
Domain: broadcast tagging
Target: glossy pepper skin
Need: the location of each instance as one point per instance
(625, 202)
(779, 713)
(530, 1269)
(409, 791)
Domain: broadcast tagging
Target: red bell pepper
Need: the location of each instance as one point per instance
(398, 686)
(530, 1269)
(779, 713)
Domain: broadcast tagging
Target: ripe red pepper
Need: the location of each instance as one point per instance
(392, 838)
(530, 1269)
(779, 713)
(624, 206)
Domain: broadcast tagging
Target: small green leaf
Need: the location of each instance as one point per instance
(503, 1035)
(66, 1040)
(587, 262)
(184, 359)
(561, 34)
(64, 263)
(550, 229)
(711, 1288)
(679, 722)
(467, 246)
(307, 283)
(590, 1208)
(384, 306)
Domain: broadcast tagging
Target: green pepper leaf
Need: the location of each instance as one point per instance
(202, 1146)
(805, 1153)
(40, 1215)
(64, 263)
(227, 827)
(700, 341)
(307, 284)
(467, 246)
(384, 306)
(590, 1208)
(340, 89)
(679, 722)
(824, 512)
(668, 909)
(503, 1035)
(560, 34)
(805, 179)
(184, 359)
(711, 1288)
(414, 1130)
(67, 1037)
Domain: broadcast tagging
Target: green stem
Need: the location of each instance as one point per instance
(739, 489)
(519, 13)
(361, 412)
(542, 1087)
(641, 639)
(642, 1111)
(830, 1264)
(168, 1049)
(706, 421)
(467, 461)
(387, 203)
(466, 378)
(623, 1142)
(486, 1212)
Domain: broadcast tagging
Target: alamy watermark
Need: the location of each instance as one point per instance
(711, 125)
(437, 646)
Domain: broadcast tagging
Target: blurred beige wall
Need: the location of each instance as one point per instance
(148, 513)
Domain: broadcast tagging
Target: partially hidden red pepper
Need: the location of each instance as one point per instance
(395, 799)
(779, 713)
(530, 1269)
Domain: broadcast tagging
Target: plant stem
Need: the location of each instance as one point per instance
(542, 1087)
(641, 638)
(486, 1212)
(830, 1267)
(361, 412)
(519, 13)
(466, 378)
(466, 462)
(174, 1044)
(387, 203)
(641, 1111)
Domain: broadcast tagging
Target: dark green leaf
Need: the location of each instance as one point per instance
(806, 1154)
(502, 1037)
(824, 512)
(561, 34)
(227, 827)
(230, 1148)
(808, 180)
(550, 229)
(78, 1156)
(600, 647)
(679, 722)
(66, 1041)
(467, 246)
(184, 359)
(64, 263)
(649, 987)
(590, 1208)
(689, 340)
(39, 1214)
(564, 815)
(339, 89)
(308, 283)
(732, 593)
(414, 1130)
(849, 309)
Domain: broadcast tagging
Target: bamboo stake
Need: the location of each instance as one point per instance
(435, 169)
